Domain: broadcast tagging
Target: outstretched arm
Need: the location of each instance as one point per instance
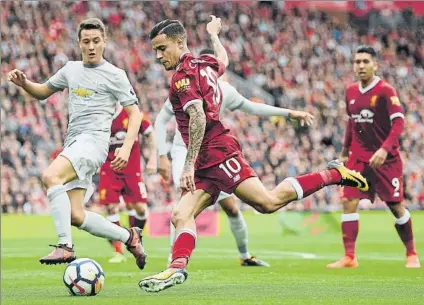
(197, 126)
(262, 109)
(259, 109)
(38, 91)
(213, 28)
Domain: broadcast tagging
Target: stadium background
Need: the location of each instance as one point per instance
(288, 54)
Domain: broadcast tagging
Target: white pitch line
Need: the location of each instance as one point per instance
(219, 253)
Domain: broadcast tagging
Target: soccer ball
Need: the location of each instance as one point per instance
(84, 276)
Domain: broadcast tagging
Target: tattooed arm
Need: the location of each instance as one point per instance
(197, 126)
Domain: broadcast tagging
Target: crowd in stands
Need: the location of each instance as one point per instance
(303, 58)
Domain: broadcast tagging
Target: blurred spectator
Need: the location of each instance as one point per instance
(301, 57)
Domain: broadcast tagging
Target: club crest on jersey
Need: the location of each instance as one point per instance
(125, 123)
(182, 84)
(373, 100)
(82, 92)
(365, 116)
(102, 194)
(395, 100)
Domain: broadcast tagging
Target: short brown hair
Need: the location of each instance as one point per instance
(171, 28)
(91, 24)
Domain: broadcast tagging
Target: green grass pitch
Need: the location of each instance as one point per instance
(297, 275)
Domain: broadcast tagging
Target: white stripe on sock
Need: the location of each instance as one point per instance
(140, 217)
(113, 218)
(189, 231)
(296, 186)
(404, 219)
(132, 213)
(350, 217)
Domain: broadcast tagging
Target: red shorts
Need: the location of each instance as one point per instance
(113, 184)
(224, 177)
(385, 181)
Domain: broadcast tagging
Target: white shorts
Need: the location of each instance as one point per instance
(178, 156)
(86, 154)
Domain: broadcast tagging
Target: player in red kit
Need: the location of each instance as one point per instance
(372, 147)
(128, 182)
(214, 161)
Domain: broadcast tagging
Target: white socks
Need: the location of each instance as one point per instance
(97, 225)
(60, 207)
(239, 228)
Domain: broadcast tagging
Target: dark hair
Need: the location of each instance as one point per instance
(171, 28)
(91, 24)
(366, 49)
(207, 51)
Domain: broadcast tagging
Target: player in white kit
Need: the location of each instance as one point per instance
(94, 87)
(232, 100)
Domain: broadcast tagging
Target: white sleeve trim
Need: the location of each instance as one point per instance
(397, 115)
(191, 103)
(148, 130)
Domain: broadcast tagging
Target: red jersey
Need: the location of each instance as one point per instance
(196, 81)
(117, 136)
(375, 119)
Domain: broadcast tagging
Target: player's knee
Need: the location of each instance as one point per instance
(231, 211)
(140, 208)
(178, 218)
(77, 218)
(112, 209)
(349, 205)
(396, 208)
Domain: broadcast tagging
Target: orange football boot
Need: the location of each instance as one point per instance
(344, 262)
(412, 261)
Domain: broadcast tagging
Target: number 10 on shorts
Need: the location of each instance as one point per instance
(231, 167)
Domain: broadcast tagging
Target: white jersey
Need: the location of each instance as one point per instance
(93, 93)
(231, 100)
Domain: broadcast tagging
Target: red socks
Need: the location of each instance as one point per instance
(182, 249)
(308, 184)
(403, 226)
(350, 228)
